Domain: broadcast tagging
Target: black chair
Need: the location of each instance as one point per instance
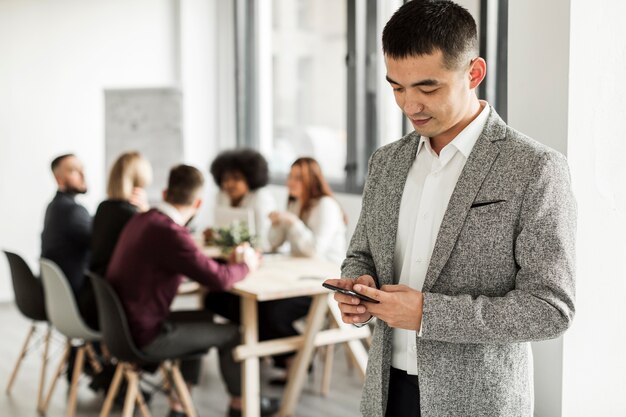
(118, 339)
(29, 298)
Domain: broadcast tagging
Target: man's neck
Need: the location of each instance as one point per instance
(66, 192)
(186, 212)
(439, 142)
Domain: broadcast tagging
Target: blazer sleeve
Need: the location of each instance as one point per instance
(542, 304)
(359, 260)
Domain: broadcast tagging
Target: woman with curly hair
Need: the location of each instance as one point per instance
(241, 175)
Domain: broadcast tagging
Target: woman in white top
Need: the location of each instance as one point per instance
(241, 175)
(314, 224)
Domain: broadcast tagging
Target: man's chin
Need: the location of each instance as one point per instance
(73, 190)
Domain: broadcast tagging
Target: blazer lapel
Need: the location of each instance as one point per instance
(476, 169)
(389, 209)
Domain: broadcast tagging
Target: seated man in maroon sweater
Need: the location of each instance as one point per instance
(154, 252)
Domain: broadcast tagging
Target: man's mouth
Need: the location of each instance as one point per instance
(420, 121)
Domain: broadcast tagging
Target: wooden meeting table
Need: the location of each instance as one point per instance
(283, 276)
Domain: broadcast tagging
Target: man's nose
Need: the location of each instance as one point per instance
(413, 106)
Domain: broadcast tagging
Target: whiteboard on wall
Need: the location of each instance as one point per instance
(147, 120)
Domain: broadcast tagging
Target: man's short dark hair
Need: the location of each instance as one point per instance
(57, 161)
(421, 27)
(183, 184)
(248, 162)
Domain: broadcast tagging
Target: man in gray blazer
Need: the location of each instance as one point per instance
(465, 239)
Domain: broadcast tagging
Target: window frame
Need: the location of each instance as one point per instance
(364, 89)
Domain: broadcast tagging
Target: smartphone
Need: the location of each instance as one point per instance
(350, 292)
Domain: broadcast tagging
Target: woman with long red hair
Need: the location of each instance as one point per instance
(314, 223)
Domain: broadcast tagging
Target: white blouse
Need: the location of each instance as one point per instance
(262, 203)
(322, 233)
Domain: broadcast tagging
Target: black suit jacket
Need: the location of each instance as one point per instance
(66, 238)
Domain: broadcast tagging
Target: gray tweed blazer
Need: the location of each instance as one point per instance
(501, 273)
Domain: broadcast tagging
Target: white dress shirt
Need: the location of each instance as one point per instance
(171, 212)
(429, 185)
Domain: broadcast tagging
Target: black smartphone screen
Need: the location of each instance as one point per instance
(350, 292)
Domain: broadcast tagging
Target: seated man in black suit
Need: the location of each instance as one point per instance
(66, 236)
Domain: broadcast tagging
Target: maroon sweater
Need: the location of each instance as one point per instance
(151, 258)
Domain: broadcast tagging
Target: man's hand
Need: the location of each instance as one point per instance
(352, 309)
(400, 306)
(246, 254)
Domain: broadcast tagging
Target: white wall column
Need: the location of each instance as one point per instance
(594, 362)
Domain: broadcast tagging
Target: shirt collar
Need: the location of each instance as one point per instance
(464, 142)
(171, 212)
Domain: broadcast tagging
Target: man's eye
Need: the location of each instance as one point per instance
(398, 89)
(429, 91)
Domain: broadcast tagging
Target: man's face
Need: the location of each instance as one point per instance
(70, 176)
(434, 98)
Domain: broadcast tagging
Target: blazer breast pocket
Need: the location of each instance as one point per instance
(486, 203)
(489, 208)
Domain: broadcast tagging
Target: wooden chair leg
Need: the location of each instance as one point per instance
(167, 379)
(78, 370)
(143, 407)
(93, 358)
(105, 352)
(20, 358)
(131, 392)
(183, 392)
(113, 390)
(55, 378)
(44, 367)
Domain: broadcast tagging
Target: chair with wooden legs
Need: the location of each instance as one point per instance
(117, 337)
(64, 315)
(29, 299)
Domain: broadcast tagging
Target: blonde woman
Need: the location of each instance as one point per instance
(129, 176)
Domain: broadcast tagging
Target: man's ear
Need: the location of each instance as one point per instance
(477, 72)
(164, 195)
(197, 203)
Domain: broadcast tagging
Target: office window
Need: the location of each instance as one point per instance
(308, 84)
(311, 81)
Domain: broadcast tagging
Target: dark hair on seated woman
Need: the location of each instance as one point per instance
(250, 163)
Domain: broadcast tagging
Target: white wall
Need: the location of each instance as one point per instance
(594, 362)
(57, 57)
(538, 65)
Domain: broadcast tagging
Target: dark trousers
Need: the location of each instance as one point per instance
(186, 332)
(275, 317)
(403, 397)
